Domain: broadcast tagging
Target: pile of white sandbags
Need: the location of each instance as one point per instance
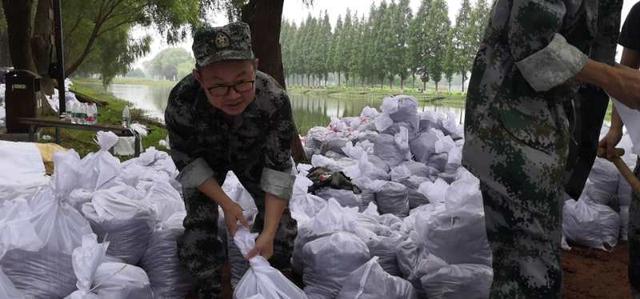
(417, 228)
(134, 209)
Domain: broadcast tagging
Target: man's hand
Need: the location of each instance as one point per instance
(233, 215)
(609, 142)
(264, 246)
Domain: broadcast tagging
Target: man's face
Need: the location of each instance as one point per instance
(219, 79)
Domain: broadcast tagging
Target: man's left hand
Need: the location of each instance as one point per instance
(264, 246)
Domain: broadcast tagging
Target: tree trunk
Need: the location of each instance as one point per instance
(41, 46)
(401, 83)
(18, 15)
(424, 86)
(338, 79)
(264, 17)
(463, 79)
(436, 87)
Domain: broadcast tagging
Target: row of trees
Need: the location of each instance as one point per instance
(390, 44)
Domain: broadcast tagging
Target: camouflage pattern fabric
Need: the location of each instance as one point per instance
(517, 133)
(229, 42)
(254, 145)
(325, 178)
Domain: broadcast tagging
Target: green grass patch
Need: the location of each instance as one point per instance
(451, 99)
(82, 141)
(128, 80)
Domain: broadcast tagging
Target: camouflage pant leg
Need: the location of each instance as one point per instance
(200, 249)
(526, 255)
(634, 239)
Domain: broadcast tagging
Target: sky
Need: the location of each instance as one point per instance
(295, 10)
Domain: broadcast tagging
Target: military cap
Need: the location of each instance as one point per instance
(229, 42)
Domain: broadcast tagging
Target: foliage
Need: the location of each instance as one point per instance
(390, 44)
(170, 64)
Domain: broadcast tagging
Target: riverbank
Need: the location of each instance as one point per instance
(82, 141)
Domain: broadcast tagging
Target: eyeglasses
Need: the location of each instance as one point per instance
(223, 90)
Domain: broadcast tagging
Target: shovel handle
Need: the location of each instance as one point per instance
(622, 168)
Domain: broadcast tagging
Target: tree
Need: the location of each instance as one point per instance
(419, 43)
(437, 27)
(165, 65)
(402, 21)
(336, 59)
(89, 24)
(450, 59)
(5, 59)
(464, 40)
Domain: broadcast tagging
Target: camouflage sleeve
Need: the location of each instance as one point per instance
(185, 152)
(543, 56)
(276, 176)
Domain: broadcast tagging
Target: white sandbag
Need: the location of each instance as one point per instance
(85, 261)
(334, 145)
(590, 224)
(332, 218)
(370, 281)
(27, 171)
(16, 231)
(624, 191)
(423, 146)
(304, 206)
(164, 199)
(389, 150)
(47, 272)
(346, 198)
(383, 122)
(7, 289)
(329, 261)
(449, 126)
(384, 247)
(262, 279)
(402, 108)
(393, 198)
(332, 165)
(127, 222)
(434, 191)
(167, 276)
(463, 281)
(100, 167)
(122, 281)
(366, 169)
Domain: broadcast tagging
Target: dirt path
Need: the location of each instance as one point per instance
(591, 273)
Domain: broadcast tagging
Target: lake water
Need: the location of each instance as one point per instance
(308, 110)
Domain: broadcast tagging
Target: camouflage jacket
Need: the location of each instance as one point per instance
(523, 72)
(254, 145)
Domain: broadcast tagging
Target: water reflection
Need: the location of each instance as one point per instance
(308, 110)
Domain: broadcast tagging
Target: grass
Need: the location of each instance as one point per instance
(82, 141)
(128, 80)
(452, 99)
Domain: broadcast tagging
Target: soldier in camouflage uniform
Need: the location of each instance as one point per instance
(531, 61)
(229, 116)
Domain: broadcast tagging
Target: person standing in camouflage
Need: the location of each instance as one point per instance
(533, 58)
(226, 116)
(630, 40)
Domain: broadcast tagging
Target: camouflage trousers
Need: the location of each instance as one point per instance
(634, 239)
(202, 249)
(525, 244)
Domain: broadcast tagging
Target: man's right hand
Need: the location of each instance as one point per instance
(609, 142)
(233, 215)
